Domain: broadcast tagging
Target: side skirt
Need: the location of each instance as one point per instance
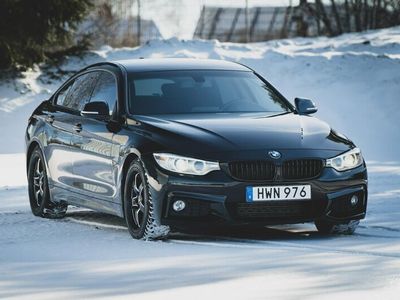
(59, 194)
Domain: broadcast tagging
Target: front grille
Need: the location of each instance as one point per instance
(298, 169)
(277, 209)
(252, 170)
(301, 168)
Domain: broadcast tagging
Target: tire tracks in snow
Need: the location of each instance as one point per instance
(232, 242)
(257, 244)
(380, 227)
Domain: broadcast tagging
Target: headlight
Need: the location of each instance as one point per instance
(185, 165)
(346, 161)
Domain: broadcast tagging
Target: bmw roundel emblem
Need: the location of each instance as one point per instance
(274, 154)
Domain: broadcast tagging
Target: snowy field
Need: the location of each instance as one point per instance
(355, 81)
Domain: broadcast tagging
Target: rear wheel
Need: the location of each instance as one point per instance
(138, 206)
(39, 195)
(326, 227)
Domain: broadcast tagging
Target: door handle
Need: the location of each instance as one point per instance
(78, 127)
(50, 119)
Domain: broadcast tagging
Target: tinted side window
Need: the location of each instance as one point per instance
(105, 90)
(78, 94)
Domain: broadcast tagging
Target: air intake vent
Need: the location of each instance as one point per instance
(276, 209)
(301, 168)
(252, 170)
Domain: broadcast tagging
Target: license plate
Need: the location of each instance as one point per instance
(281, 192)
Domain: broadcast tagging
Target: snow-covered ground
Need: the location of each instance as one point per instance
(91, 254)
(355, 80)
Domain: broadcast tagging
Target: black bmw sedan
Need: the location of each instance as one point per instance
(183, 143)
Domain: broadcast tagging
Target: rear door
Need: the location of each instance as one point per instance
(93, 164)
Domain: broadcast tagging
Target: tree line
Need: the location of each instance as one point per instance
(340, 16)
(33, 31)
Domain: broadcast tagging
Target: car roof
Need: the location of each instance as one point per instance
(174, 64)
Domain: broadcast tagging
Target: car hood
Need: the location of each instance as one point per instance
(243, 132)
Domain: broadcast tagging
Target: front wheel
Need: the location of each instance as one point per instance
(38, 188)
(138, 206)
(326, 227)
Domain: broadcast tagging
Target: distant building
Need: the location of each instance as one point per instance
(229, 24)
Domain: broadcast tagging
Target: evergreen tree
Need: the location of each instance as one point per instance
(32, 30)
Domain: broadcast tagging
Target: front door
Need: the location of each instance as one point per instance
(60, 119)
(93, 164)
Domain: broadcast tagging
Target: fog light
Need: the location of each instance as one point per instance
(179, 205)
(354, 200)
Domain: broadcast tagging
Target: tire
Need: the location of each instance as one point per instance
(326, 227)
(38, 189)
(138, 206)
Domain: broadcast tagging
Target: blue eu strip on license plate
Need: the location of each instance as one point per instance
(281, 192)
(249, 194)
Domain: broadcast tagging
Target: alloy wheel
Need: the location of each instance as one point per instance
(38, 182)
(138, 200)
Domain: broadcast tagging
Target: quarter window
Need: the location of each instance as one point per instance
(62, 95)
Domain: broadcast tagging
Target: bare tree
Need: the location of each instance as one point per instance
(322, 15)
(357, 14)
(377, 12)
(366, 14)
(139, 22)
(337, 17)
(348, 13)
(300, 18)
(103, 22)
(286, 22)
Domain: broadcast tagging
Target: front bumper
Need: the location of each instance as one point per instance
(218, 198)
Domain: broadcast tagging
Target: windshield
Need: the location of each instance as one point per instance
(198, 91)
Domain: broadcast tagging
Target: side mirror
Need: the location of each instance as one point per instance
(96, 109)
(305, 106)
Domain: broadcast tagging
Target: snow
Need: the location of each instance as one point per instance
(355, 81)
(90, 254)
